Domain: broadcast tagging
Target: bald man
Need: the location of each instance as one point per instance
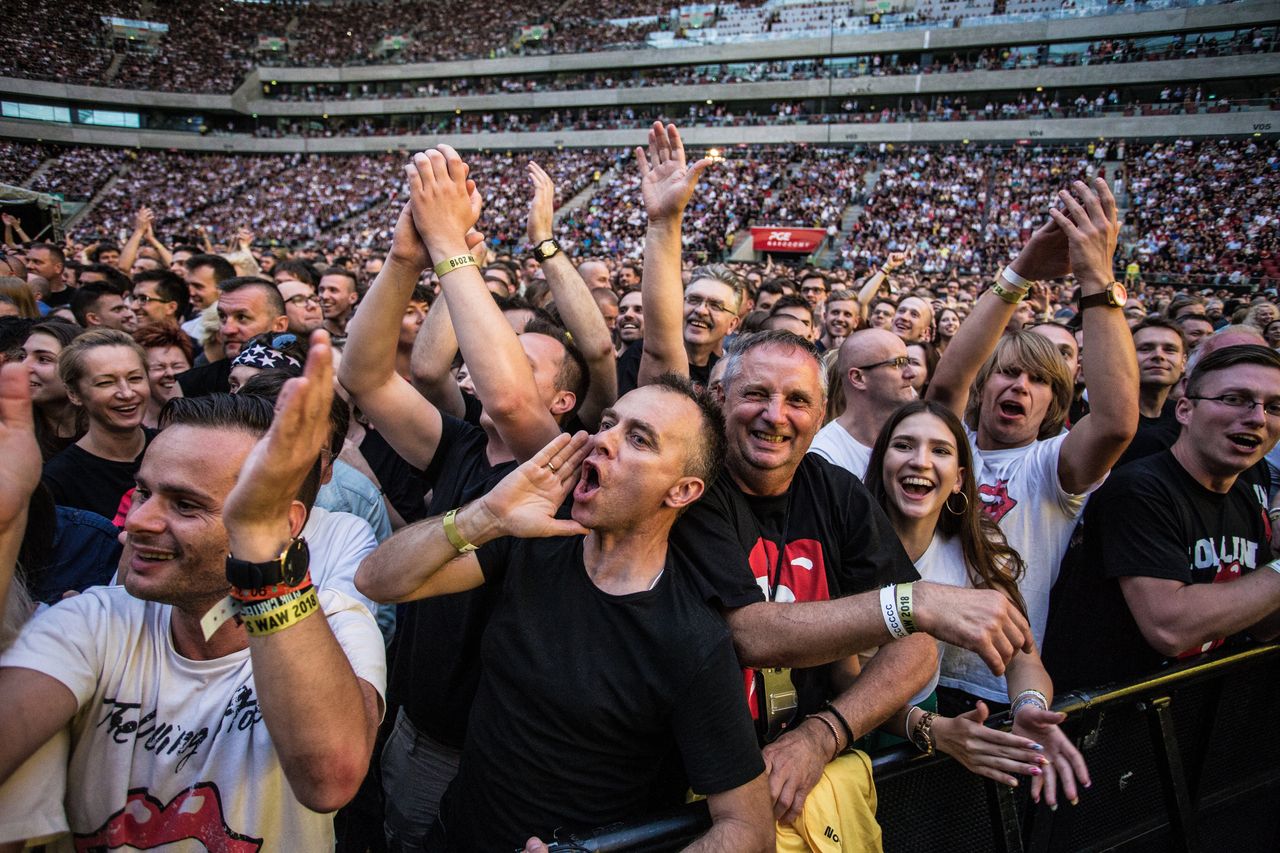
(913, 320)
(595, 274)
(877, 378)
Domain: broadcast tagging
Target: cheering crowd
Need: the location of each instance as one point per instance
(453, 548)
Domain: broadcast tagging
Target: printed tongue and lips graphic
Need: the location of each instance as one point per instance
(144, 824)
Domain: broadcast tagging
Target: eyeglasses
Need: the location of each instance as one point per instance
(141, 299)
(715, 306)
(1240, 401)
(898, 363)
(302, 299)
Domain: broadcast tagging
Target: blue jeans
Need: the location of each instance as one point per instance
(416, 770)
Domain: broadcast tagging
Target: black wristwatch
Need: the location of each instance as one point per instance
(288, 569)
(548, 248)
(1113, 296)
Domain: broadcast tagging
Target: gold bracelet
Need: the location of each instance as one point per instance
(457, 262)
(282, 617)
(456, 539)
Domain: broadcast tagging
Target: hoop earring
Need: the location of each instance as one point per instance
(954, 511)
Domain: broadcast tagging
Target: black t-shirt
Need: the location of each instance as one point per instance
(214, 378)
(1153, 435)
(434, 668)
(1150, 519)
(81, 480)
(403, 484)
(838, 542)
(589, 692)
(629, 368)
(58, 298)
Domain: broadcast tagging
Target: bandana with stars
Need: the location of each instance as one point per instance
(264, 357)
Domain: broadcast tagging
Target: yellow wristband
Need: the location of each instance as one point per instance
(448, 265)
(282, 617)
(1013, 297)
(456, 539)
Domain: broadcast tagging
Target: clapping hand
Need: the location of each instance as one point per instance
(443, 200)
(1045, 256)
(542, 207)
(666, 183)
(1088, 221)
(143, 220)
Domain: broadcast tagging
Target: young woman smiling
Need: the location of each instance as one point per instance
(105, 375)
(57, 420)
(921, 474)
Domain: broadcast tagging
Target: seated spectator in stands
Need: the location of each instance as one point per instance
(169, 354)
(301, 305)
(1176, 550)
(793, 314)
(921, 465)
(102, 305)
(877, 378)
(839, 319)
(339, 292)
(159, 297)
(1162, 358)
(204, 274)
(105, 374)
(57, 420)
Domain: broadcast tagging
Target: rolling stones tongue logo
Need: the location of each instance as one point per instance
(144, 824)
(996, 500)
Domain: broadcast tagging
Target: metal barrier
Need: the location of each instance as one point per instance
(1183, 761)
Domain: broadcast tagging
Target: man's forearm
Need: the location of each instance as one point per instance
(403, 567)
(369, 358)
(432, 359)
(971, 346)
(807, 633)
(584, 321)
(888, 681)
(662, 290)
(1174, 619)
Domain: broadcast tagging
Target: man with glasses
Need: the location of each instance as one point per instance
(1176, 552)
(877, 375)
(814, 289)
(301, 306)
(158, 297)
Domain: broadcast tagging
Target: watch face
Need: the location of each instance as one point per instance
(296, 562)
(1119, 296)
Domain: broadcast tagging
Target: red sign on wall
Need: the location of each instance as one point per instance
(801, 240)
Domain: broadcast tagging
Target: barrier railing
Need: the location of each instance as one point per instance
(1182, 761)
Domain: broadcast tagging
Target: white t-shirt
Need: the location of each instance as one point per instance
(168, 752)
(338, 541)
(1022, 494)
(834, 444)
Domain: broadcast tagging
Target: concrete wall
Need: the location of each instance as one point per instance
(1240, 123)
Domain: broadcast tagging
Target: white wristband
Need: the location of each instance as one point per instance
(1016, 280)
(1274, 566)
(889, 610)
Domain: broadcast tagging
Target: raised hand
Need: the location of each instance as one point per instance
(244, 238)
(10, 221)
(525, 502)
(896, 259)
(19, 453)
(444, 201)
(666, 183)
(1064, 765)
(257, 510)
(143, 219)
(408, 249)
(542, 207)
(1088, 219)
(1045, 256)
